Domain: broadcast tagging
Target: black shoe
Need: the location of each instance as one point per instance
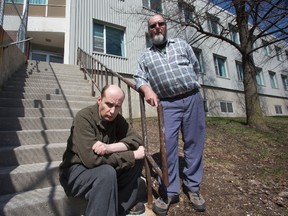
(161, 206)
(137, 209)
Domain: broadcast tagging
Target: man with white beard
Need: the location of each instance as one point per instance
(167, 73)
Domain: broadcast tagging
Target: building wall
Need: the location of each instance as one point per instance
(215, 89)
(11, 57)
(110, 12)
(74, 28)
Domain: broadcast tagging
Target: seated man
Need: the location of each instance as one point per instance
(103, 160)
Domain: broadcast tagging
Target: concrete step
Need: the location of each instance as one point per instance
(18, 138)
(35, 123)
(47, 77)
(29, 103)
(28, 177)
(58, 90)
(28, 154)
(37, 107)
(48, 85)
(37, 112)
(21, 95)
(52, 80)
(49, 201)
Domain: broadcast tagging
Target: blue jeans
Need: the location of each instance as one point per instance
(185, 114)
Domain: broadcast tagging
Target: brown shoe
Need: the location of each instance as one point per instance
(198, 203)
(161, 206)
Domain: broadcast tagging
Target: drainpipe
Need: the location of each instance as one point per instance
(23, 27)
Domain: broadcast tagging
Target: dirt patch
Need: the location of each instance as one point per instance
(245, 171)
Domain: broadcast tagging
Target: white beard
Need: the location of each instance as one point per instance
(158, 39)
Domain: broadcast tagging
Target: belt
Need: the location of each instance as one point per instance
(181, 96)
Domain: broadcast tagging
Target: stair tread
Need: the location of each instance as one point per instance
(39, 101)
(24, 168)
(33, 146)
(48, 201)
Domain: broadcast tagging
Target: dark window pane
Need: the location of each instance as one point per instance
(114, 41)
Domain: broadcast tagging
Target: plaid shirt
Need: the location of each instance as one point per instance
(171, 73)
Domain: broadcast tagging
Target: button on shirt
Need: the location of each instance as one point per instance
(169, 73)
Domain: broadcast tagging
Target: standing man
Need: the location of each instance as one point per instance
(103, 160)
(171, 67)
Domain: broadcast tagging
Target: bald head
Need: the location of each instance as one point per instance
(112, 89)
(110, 102)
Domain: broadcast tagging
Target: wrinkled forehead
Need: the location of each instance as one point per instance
(155, 19)
(115, 98)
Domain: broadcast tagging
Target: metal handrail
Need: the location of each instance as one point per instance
(16, 42)
(99, 75)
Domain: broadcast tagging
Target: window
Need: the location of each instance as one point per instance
(267, 48)
(239, 68)
(285, 82)
(213, 24)
(205, 102)
(187, 10)
(198, 54)
(278, 53)
(278, 109)
(38, 56)
(234, 34)
(286, 54)
(36, 2)
(273, 79)
(108, 40)
(226, 107)
(259, 77)
(155, 5)
(45, 56)
(220, 66)
(148, 41)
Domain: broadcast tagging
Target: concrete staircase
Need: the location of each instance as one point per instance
(37, 106)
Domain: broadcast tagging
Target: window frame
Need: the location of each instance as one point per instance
(240, 71)
(284, 79)
(234, 34)
(226, 103)
(278, 51)
(267, 48)
(273, 79)
(147, 4)
(216, 59)
(259, 77)
(186, 10)
(108, 27)
(213, 25)
(21, 2)
(278, 109)
(199, 56)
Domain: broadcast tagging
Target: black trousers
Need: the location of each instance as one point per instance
(108, 193)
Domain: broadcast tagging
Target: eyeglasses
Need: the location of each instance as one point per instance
(160, 24)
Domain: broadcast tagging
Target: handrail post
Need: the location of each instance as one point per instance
(164, 164)
(146, 164)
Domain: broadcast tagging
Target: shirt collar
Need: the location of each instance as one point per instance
(168, 42)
